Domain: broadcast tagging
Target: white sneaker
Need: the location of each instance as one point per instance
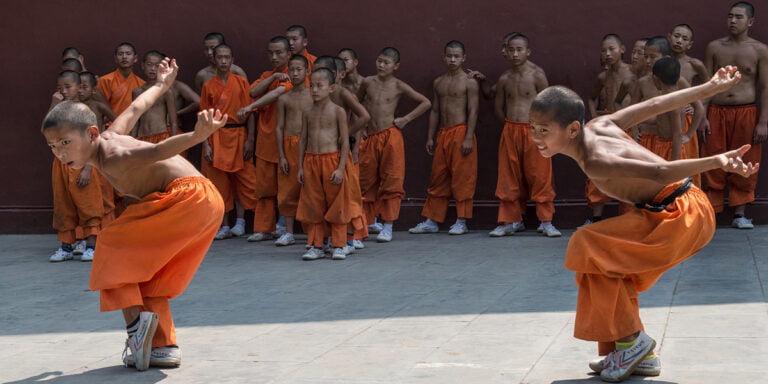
(358, 244)
(223, 233)
(426, 226)
(313, 254)
(279, 231)
(339, 253)
(518, 226)
(507, 229)
(648, 367)
(238, 230)
(742, 223)
(349, 249)
(259, 236)
(79, 248)
(60, 255)
(140, 343)
(588, 222)
(384, 236)
(458, 229)
(375, 228)
(163, 357)
(285, 239)
(87, 255)
(622, 362)
(548, 230)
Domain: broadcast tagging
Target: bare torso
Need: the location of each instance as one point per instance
(295, 104)
(380, 99)
(451, 91)
(609, 82)
(690, 68)
(352, 83)
(133, 178)
(323, 127)
(520, 87)
(155, 120)
(96, 107)
(746, 56)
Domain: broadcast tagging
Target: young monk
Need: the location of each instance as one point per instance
(621, 256)
(117, 87)
(353, 79)
(297, 38)
(71, 65)
(382, 153)
(210, 41)
(323, 155)
(603, 99)
(104, 115)
(521, 168)
(454, 165)
(734, 118)
(76, 192)
(290, 109)
(266, 89)
(227, 154)
(357, 118)
(74, 53)
(151, 252)
(161, 120)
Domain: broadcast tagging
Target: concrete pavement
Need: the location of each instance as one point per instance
(422, 309)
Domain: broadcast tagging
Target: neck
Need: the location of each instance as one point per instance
(223, 75)
(519, 68)
(125, 71)
(741, 37)
(280, 68)
(679, 55)
(575, 148)
(456, 71)
(385, 77)
(298, 87)
(615, 66)
(323, 102)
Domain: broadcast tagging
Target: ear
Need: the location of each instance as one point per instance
(751, 22)
(396, 66)
(93, 132)
(573, 129)
(622, 49)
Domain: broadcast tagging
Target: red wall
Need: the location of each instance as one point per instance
(564, 36)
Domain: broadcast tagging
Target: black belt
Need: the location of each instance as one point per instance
(233, 125)
(667, 200)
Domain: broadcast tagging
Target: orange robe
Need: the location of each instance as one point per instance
(691, 148)
(118, 89)
(288, 187)
(234, 177)
(267, 159)
(323, 202)
(616, 258)
(732, 127)
(311, 60)
(522, 169)
(75, 207)
(453, 175)
(382, 173)
(151, 252)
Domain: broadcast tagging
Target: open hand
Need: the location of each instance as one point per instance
(208, 121)
(731, 161)
(477, 75)
(167, 71)
(726, 77)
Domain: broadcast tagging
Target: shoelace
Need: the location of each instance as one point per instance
(611, 361)
(125, 352)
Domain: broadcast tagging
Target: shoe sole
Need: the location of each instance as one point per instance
(422, 232)
(383, 240)
(505, 234)
(157, 364)
(639, 372)
(631, 368)
(146, 347)
(458, 233)
(256, 241)
(285, 245)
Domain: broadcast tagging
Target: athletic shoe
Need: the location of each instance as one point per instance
(285, 239)
(375, 228)
(742, 223)
(313, 254)
(518, 226)
(259, 236)
(358, 244)
(426, 226)
(79, 248)
(349, 249)
(279, 231)
(622, 362)
(458, 229)
(163, 357)
(648, 367)
(339, 253)
(548, 230)
(238, 230)
(60, 255)
(588, 222)
(87, 255)
(384, 236)
(223, 233)
(140, 343)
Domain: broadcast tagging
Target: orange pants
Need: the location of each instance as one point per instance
(238, 185)
(264, 215)
(454, 174)
(594, 195)
(155, 138)
(357, 226)
(324, 203)
(151, 252)
(616, 258)
(288, 186)
(691, 148)
(522, 169)
(382, 172)
(659, 146)
(732, 127)
(74, 206)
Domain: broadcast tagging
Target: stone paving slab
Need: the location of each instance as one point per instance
(422, 309)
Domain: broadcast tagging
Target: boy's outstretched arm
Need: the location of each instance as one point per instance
(724, 79)
(208, 121)
(166, 74)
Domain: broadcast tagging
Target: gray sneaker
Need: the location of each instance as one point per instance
(424, 227)
(140, 343)
(548, 230)
(163, 357)
(742, 223)
(648, 367)
(259, 236)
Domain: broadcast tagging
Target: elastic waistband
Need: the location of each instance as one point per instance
(186, 180)
(234, 125)
(324, 154)
(452, 127)
(382, 131)
(667, 196)
(749, 105)
(516, 124)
